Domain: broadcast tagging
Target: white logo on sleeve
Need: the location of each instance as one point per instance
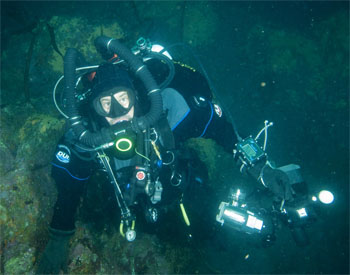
(63, 157)
(218, 110)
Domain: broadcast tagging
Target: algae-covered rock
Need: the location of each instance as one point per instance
(20, 204)
(12, 119)
(79, 33)
(144, 255)
(35, 54)
(110, 253)
(38, 138)
(26, 204)
(82, 259)
(211, 154)
(6, 160)
(21, 263)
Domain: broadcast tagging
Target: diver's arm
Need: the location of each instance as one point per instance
(70, 173)
(205, 119)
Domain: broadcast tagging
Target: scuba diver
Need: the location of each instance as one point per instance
(129, 117)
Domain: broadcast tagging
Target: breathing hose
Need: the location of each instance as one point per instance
(86, 137)
(141, 71)
(169, 63)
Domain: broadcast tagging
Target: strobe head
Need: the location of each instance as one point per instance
(240, 219)
(325, 197)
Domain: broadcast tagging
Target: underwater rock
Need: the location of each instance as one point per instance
(12, 119)
(44, 64)
(208, 152)
(143, 256)
(21, 262)
(20, 218)
(38, 138)
(109, 253)
(6, 160)
(79, 33)
(82, 259)
(26, 196)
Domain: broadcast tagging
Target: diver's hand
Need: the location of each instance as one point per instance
(273, 179)
(55, 256)
(278, 183)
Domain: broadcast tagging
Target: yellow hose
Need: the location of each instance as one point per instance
(121, 229)
(187, 221)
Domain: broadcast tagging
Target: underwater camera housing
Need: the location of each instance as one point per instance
(237, 216)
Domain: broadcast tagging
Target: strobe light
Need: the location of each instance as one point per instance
(239, 218)
(326, 197)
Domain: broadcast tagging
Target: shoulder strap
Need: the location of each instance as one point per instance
(167, 137)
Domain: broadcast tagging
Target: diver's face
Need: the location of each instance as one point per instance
(123, 99)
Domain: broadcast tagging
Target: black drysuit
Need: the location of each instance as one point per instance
(189, 113)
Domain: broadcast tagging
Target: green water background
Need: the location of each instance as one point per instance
(287, 62)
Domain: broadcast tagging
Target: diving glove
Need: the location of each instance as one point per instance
(55, 256)
(274, 179)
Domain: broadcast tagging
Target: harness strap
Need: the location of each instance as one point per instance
(167, 137)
